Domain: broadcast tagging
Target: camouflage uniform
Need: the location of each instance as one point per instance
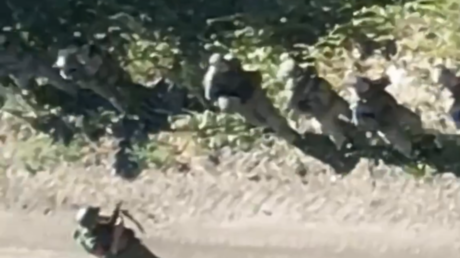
(449, 80)
(96, 238)
(91, 242)
(313, 96)
(87, 239)
(238, 91)
(377, 110)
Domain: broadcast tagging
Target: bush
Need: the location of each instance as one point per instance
(174, 39)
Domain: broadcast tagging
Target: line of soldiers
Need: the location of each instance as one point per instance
(90, 93)
(236, 90)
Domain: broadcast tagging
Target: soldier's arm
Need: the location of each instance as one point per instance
(118, 228)
(115, 217)
(208, 84)
(209, 92)
(117, 234)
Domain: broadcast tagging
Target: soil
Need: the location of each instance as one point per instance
(216, 212)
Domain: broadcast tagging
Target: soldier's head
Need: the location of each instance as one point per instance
(222, 69)
(78, 63)
(444, 76)
(362, 85)
(87, 217)
(294, 76)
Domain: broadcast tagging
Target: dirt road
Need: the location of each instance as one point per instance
(226, 214)
(48, 236)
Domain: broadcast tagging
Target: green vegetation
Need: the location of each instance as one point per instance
(174, 39)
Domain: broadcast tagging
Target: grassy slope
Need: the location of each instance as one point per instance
(424, 33)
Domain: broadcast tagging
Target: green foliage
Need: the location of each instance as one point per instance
(174, 39)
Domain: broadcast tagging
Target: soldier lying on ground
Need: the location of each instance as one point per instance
(25, 67)
(101, 235)
(95, 69)
(313, 96)
(104, 236)
(447, 78)
(239, 91)
(86, 65)
(142, 109)
(377, 110)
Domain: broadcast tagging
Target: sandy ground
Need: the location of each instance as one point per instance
(49, 236)
(222, 213)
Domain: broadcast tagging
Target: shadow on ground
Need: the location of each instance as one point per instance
(94, 117)
(443, 160)
(138, 250)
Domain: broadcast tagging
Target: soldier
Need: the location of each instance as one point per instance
(313, 96)
(87, 66)
(104, 236)
(444, 76)
(239, 91)
(141, 109)
(25, 68)
(95, 69)
(377, 110)
(100, 235)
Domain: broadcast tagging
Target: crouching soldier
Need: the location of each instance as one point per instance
(236, 90)
(106, 236)
(377, 110)
(313, 96)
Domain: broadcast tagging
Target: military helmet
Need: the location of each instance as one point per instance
(87, 217)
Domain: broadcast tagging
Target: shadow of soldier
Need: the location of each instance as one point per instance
(442, 160)
(92, 116)
(322, 148)
(137, 249)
